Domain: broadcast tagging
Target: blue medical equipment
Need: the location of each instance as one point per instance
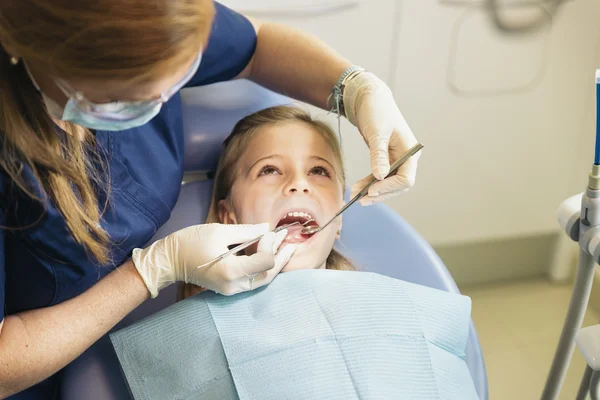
(375, 238)
(579, 216)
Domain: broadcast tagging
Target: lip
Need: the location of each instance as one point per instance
(292, 209)
(294, 236)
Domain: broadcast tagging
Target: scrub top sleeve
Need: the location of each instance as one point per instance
(2, 274)
(230, 48)
(2, 255)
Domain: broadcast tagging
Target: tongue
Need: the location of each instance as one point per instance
(289, 220)
(295, 236)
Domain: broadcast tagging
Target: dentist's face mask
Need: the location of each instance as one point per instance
(114, 116)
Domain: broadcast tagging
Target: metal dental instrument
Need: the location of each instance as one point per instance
(241, 247)
(311, 230)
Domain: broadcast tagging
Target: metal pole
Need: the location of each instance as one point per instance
(594, 386)
(584, 387)
(573, 321)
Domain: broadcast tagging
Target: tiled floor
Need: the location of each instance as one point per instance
(519, 326)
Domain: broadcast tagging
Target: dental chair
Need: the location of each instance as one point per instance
(375, 238)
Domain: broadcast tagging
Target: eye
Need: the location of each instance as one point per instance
(320, 171)
(268, 170)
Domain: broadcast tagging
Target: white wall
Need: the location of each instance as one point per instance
(495, 165)
(507, 126)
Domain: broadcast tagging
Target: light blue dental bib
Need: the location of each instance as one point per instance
(310, 334)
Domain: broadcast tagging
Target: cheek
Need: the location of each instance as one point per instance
(334, 201)
(251, 205)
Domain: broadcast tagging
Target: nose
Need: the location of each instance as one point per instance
(297, 184)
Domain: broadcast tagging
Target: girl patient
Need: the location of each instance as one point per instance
(367, 336)
(280, 166)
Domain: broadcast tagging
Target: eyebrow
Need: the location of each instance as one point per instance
(324, 160)
(279, 156)
(262, 159)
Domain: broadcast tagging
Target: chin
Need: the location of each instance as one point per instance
(311, 254)
(289, 268)
(294, 267)
(300, 262)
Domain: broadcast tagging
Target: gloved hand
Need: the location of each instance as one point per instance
(370, 106)
(175, 257)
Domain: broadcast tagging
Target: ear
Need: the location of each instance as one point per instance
(226, 214)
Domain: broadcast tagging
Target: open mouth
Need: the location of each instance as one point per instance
(295, 235)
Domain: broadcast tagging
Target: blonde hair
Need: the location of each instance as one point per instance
(128, 41)
(234, 148)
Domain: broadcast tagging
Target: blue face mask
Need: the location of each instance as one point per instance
(133, 115)
(114, 116)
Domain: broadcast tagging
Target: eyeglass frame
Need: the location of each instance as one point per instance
(89, 107)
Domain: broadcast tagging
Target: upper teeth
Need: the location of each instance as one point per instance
(300, 214)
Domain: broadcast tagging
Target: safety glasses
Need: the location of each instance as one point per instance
(124, 110)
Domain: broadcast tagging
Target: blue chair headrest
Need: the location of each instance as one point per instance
(210, 113)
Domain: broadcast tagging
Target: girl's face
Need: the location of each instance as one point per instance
(288, 173)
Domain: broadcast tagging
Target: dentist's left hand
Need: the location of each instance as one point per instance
(370, 106)
(176, 257)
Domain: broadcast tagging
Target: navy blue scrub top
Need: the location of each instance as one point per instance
(42, 265)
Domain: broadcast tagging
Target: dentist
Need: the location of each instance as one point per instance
(91, 157)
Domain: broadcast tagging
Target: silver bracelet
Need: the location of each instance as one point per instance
(337, 94)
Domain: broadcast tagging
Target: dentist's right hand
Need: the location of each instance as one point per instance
(174, 258)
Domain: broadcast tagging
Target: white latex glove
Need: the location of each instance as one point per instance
(370, 106)
(175, 257)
